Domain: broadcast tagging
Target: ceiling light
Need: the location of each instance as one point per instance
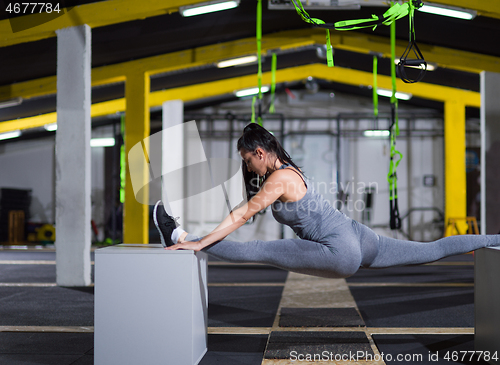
(444, 10)
(431, 66)
(237, 61)
(102, 142)
(208, 7)
(8, 135)
(11, 102)
(399, 95)
(251, 91)
(50, 127)
(377, 133)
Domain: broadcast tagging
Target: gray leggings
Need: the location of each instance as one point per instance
(351, 246)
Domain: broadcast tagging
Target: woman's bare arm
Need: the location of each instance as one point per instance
(271, 190)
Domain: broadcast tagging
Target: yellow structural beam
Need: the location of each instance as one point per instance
(110, 12)
(137, 129)
(455, 184)
(351, 41)
(319, 71)
(227, 86)
(97, 14)
(97, 110)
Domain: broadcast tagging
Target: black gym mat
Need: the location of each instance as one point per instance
(415, 274)
(320, 317)
(28, 273)
(235, 349)
(415, 306)
(243, 306)
(466, 257)
(28, 255)
(47, 306)
(428, 349)
(42, 254)
(245, 274)
(46, 348)
(317, 346)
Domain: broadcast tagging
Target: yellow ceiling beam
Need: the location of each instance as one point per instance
(490, 8)
(351, 41)
(97, 110)
(97, 14)
(110, 12)
(319, 71)
(227, 86)
(28, 123)
(166, 63)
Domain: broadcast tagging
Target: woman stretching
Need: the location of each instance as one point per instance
(331, 245)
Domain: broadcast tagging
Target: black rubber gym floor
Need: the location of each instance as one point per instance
(246, 298)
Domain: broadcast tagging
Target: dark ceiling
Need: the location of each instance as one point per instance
(172, 32)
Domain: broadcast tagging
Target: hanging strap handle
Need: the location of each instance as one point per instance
(406, 64)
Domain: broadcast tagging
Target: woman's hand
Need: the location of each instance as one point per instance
(186, 245)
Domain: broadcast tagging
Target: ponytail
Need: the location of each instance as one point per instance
(255, 136)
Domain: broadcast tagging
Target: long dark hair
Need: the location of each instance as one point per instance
(255, 136)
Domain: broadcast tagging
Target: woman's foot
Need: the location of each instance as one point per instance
(165, 224)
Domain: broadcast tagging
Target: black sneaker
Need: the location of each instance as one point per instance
(165, 224)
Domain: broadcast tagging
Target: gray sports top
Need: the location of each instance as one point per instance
(312, 217)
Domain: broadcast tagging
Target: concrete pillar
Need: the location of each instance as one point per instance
(73, 211)
(173, 145)
(490, 153)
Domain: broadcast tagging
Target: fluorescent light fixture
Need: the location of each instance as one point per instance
(8, 135)
(50, 127)
(377, 133)
(237, 61)
(399, 95)
(102, 142)
(208, 7)
(11, 102)
(251, 91)
(431, 66)
(450, 11)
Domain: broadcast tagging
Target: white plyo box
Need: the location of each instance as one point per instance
(487, 301)
(150, 305)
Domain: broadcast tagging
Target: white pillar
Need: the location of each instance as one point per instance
(490, 152)
(173, 156)
(73, 211)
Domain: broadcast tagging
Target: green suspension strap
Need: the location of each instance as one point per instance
(254, 99)
(273, 82)
(317, 22)
(123, 162)
(395, 220)
(395, 12)
(329, 50)
(375, 88)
